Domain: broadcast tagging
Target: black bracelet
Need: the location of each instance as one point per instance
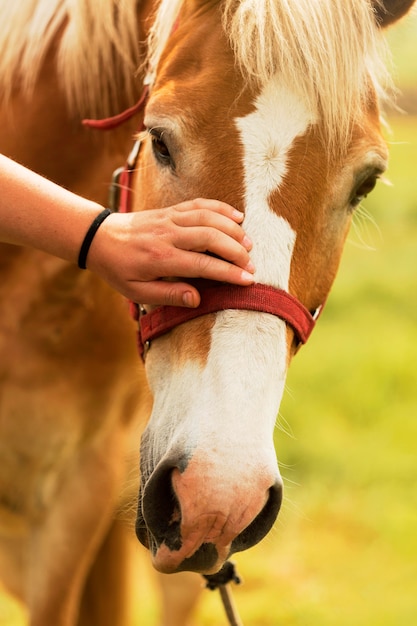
(85, 246)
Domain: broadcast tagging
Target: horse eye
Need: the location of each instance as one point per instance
(160, 148)
(365, 187)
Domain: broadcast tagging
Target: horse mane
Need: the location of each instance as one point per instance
(97, 52)
(330, 51)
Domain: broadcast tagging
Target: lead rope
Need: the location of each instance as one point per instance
(220, 581)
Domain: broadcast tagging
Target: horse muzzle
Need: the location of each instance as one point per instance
(192, 517)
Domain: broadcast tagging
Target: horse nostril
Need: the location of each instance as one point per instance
(159, 515)
(262, 523)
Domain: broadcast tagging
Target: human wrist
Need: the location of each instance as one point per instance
(107, 243)
(89, 236)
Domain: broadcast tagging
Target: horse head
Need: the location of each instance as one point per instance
(274, 108)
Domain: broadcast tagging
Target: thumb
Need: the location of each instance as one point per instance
(161, 292)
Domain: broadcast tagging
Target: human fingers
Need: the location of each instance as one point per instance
(197, 265)
(216, 206)
(214, 214)
(214, 241)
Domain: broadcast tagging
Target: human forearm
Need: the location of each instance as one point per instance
(38, 213)
(131, 252)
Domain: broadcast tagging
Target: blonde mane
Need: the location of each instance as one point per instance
(97, 55)
(329, 51)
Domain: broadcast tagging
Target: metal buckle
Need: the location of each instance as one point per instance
(133, 155)
(147, 344)
(317, 312)
(114, 190)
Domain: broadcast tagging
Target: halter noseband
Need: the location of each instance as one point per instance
(221, 297)
(214, 296)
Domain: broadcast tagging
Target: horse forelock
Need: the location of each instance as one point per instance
(98, 50)
(333, 53)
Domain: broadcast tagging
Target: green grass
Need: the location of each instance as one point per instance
(402, 41)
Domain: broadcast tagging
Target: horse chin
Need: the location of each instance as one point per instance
(206, 559)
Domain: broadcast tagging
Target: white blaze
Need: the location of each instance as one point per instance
(249, 350)
(267, 135)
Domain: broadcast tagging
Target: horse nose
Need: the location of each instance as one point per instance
(263, 522)
(158, 516)
(190, 521)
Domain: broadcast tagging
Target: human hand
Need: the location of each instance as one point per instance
(133, 251)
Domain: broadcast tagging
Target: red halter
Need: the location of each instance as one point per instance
(220, 297)
(214, 296)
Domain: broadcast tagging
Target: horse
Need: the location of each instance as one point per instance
(271, 106)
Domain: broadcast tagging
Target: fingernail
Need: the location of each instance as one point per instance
(188, 299)
(238, 214)
(250, 267)
(247, 277)
(246, 242)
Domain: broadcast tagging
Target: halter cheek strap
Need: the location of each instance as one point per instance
(109, 123)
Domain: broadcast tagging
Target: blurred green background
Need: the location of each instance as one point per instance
(344, 550)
